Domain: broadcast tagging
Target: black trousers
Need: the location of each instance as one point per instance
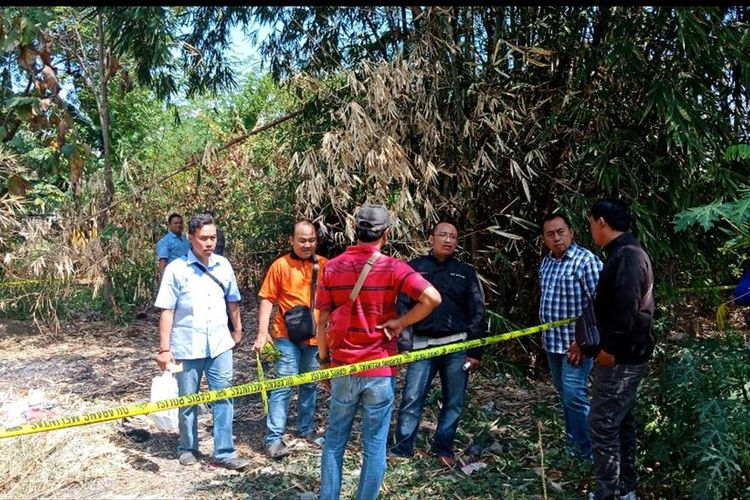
(612, 425)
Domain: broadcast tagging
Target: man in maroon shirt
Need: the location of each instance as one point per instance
(371, 333)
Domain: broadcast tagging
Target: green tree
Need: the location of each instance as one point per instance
(497, 115)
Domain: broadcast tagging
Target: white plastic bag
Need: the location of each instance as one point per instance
(164, 387)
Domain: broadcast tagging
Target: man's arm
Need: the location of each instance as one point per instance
(162, 265)
(589, 278)
(264, 317)
(323, 353)
(234, 314)
(427, 301)
(165, 329)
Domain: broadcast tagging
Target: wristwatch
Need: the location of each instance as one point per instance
(323, 361)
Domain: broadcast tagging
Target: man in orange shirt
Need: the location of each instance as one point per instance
(289, 283)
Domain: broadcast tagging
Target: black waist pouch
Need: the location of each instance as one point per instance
(300, 324)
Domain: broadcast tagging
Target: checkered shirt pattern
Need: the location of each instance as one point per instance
(567, 286)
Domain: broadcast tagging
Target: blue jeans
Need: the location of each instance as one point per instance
(571, 383)
(295, 359)
(419, 377)
(218, 372)
(376, 395)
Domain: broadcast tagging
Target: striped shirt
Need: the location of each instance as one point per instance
(375, 303)
(567, 286)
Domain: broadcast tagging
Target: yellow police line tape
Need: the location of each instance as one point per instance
(269, 384)
(12, 283)
(23, 282)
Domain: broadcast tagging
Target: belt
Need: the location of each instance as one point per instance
(423, 342)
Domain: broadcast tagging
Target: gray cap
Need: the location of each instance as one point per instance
(375, 217)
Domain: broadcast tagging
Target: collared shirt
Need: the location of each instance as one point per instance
(375, 304)
(171, 247)
(567, 285)
(288, 283)
(200, 327)
(462, 308)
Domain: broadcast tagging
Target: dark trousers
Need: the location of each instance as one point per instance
(612, 425)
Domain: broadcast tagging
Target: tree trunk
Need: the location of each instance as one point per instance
(109, 186)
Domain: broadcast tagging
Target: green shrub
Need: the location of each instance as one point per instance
(697, 429)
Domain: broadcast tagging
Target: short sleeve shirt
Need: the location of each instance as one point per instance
(172, 247)
(288, 283)
(377, 299)
(199, 329)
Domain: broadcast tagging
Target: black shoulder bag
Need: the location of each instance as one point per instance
(300, 320)
(223, 289)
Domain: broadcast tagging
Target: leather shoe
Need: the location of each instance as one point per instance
(277, 450)
(233, 463)
(187, 458)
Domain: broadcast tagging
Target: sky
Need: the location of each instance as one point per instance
(245, 55)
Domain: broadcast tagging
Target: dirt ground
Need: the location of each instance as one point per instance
(95, 365)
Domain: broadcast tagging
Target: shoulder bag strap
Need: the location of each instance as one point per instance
(314, 281)
(216, 280)
(365, 271)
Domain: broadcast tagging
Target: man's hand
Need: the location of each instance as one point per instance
(391, 328)
(163, 359)
(605, 359)
(575, 355)
(473, 363)
(325, 383)
(261, 341)
(237, 337)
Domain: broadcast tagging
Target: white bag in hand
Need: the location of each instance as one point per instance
(164, 387)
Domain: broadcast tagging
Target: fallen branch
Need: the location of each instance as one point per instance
(193, 161)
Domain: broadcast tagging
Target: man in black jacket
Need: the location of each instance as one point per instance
(624, 307)
(460, 316)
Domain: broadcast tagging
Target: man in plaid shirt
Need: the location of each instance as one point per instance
(568, 276)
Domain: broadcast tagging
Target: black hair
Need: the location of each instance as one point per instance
(294, 225)
(198, 221)
(614, 211)
(169, 220)
(557, 215)
(442, 221)
(367, 235)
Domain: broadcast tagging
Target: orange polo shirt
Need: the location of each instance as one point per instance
(288, 283)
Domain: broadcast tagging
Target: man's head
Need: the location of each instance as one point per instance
(608, 219)
(202, 235)
(174, 223)
(303, 239)
(557, 234)
(372, 224)
(443, 240)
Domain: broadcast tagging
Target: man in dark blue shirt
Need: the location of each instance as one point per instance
(460, 316)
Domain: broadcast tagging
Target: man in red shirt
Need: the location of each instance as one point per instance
(371, 332)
